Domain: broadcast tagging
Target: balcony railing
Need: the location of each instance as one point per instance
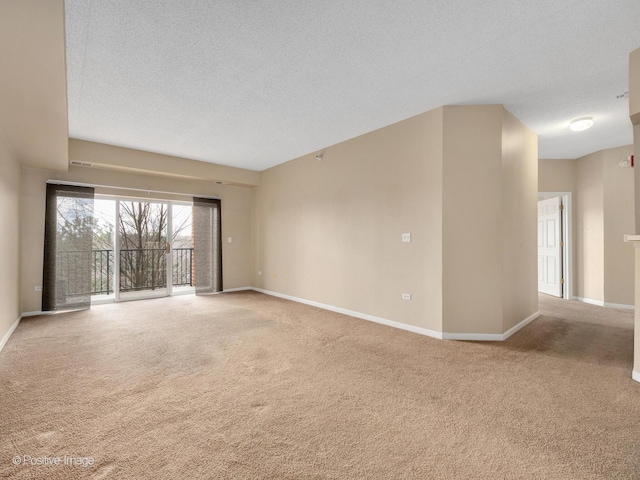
(140, 269)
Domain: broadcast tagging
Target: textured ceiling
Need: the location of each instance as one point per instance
(256, 83)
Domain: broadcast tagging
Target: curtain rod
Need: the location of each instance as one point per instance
(147, 191)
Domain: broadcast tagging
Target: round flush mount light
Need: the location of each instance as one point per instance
(626, 162)
(580, 124)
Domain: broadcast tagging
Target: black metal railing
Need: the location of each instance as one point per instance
(143, 269)
(102, 272)
(140, 269)
(183, 267)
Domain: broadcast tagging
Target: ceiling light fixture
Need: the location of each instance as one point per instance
(626, 162)
(580, 124)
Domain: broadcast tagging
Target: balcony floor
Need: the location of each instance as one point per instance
(141, 295)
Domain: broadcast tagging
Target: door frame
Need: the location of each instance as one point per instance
(170, 286)
(116, 250)
(567, 238)
(117, 199)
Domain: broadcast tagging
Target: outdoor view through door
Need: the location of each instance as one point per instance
(132, 249)
(142, 239)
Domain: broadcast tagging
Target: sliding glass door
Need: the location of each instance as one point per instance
(103, 266)
(142, 249)
(101, 249)
(182, 243)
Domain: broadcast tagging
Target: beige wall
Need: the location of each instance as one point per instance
(9, 239)
(557, 175)
(636, 330)
(456, 178)
(561, 175)
(137, 161)
(589, 282)
(472, 220)
(603, 212)
(519, 222)
(636, 171)
(634, 86)
(489, 220)
(330, 230)
(619, 219)
(33, 91)
(236, 218)
(634, 111)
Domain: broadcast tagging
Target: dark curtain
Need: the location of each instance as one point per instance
(207, 226)
(68, 238)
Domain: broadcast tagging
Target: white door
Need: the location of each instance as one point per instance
(550, 246)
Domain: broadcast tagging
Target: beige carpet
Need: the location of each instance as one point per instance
(244, 386)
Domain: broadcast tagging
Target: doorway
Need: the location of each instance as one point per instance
(555, 244)
(141, 249)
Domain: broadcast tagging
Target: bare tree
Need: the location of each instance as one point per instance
(143, 242)
(143, 236)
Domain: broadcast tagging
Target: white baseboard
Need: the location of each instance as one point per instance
(102, 301)
(600, 303)
(33, 314)
(475, 337)
(589, 301)
(351, 313)
(487, 337)
(619, 305)
(520, 325)
(491, 337)
(238, 289)
(636, 376)
(186, 292)
(7, 335)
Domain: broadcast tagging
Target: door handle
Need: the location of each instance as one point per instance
(168, 250)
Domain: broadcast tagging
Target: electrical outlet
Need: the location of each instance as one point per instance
(38, 288)
(406, 296)
(260, 273)
(406, 237)
(229, 240)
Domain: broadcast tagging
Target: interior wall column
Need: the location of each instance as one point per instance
(634, 113)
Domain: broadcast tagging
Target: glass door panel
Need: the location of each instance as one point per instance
(142, 242)
(182, 276)
(103, 254)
